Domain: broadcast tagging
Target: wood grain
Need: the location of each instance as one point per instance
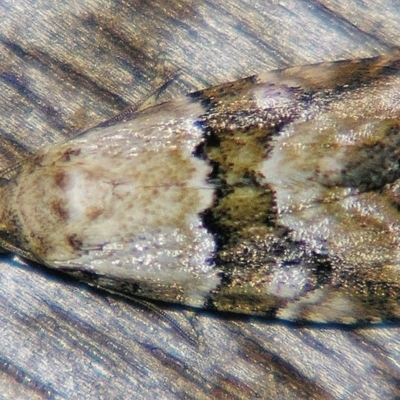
(66, 66)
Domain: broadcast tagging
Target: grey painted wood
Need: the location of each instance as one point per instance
(66, 66)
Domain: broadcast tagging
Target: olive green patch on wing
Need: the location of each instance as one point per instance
(276, 195)
(265, 178)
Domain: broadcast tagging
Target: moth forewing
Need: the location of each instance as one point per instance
(276, 195)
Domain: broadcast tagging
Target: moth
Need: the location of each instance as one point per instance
(277, 195)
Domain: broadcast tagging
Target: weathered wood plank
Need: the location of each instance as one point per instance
(68, 66)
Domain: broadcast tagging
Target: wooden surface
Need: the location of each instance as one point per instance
(66, 66)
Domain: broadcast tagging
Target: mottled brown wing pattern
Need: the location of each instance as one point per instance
(276, 195)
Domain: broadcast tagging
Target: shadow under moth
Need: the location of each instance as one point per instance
(276, 195)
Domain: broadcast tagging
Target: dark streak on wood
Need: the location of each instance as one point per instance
(130, 345)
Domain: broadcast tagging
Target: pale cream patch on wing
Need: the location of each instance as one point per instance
(305, 170)
(321, 306)
(288, 282)
(124, 201)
